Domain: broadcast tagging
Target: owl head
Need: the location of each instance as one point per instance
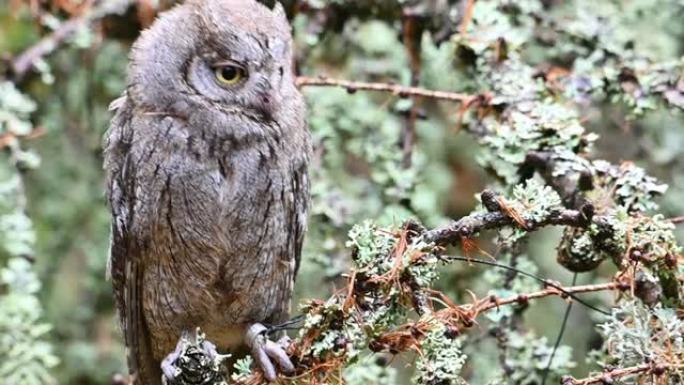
(228, 54)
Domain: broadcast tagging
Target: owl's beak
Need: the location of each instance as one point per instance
(266, 104)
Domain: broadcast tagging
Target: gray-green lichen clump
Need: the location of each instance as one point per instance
(441, 359)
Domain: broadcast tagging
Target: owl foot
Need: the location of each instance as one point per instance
(265, 351)
(193, 355)
(168, 367)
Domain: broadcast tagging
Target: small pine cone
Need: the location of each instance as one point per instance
(576, 251)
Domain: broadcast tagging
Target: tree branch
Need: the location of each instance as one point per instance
(493, 302)
(468, 226)
(23, 63)
(26, 60)
(403, 91)
(608, 377)
(456, 315)
(677, 220)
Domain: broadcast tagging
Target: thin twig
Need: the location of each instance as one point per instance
(605, 377)
(469, 225)
(468, 16)
(466, 314)
(352, 86)
(609, 376)
(23, 63)
(495, 302)
(8, 137)
(27, 59)
(537, 278)
(452, 313)
(677, 220)
(559, 338)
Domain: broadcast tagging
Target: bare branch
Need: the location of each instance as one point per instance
(495, 302)
(656, 369)
(677, 220)
(468, 226)
(403, 91)
(456, 315)
(23, 63)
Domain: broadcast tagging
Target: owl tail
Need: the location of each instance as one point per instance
(144, 369)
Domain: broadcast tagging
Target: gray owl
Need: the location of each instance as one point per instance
(206, 161)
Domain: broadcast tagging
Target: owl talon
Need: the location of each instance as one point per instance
(284, 342)
(168, 367)
(193, 355)
(210, 350)
(277, 352)
(266, 351)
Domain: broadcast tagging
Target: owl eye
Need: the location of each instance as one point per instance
(229, 74)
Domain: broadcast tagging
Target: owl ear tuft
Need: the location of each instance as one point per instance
(279, 10)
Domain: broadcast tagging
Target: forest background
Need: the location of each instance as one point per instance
(537, 92)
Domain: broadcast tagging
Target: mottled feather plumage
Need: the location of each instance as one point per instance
(207, 184)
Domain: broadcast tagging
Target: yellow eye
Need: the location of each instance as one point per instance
(229, 74)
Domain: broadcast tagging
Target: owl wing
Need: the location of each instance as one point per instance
(301, 206)
(125, 264)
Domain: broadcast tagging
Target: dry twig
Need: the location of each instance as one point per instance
(494, 302)
(608, 377)
(403, 91)
(467, 226)
(23, 63)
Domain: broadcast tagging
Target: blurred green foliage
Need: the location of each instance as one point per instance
(612, 68)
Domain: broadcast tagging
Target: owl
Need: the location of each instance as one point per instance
(206, 163)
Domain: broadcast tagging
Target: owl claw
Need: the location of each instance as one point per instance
(210, 350)
(168, 365)
(277, 352)
(266, 351)
(193, 354)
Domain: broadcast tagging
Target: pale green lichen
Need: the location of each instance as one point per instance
(27, 357)
(635, 333)
(371, 248)
(528, 356)
(654, 237)
(610, 235)
(629, 185)
(535, 201)
(534, 126)
(15, 110)
(441, 359)
(242, 369)
(370, 369)
(568, 163)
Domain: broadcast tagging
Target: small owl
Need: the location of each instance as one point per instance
(206, 161)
